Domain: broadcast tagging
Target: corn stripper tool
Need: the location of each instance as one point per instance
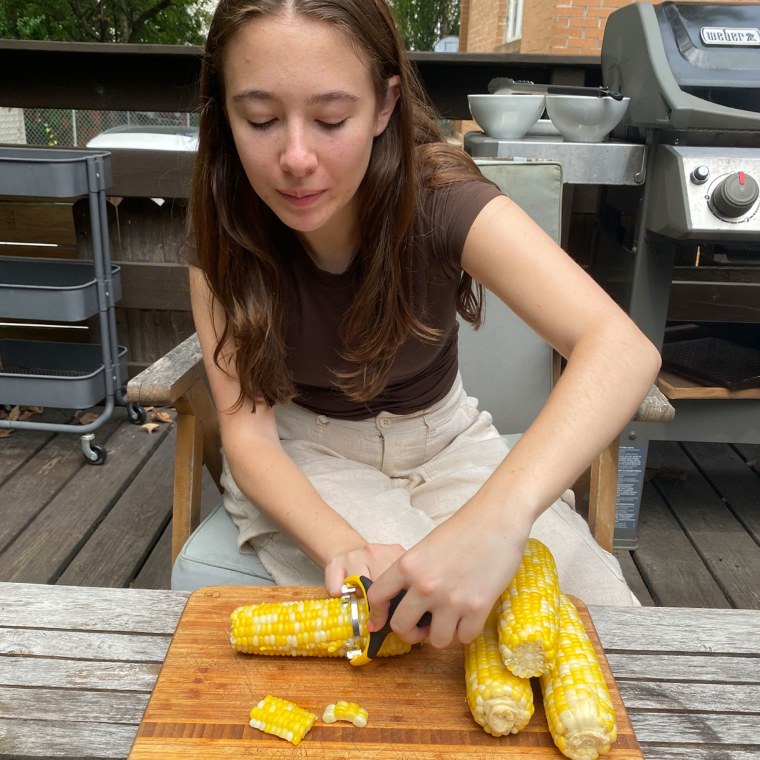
(354, 588)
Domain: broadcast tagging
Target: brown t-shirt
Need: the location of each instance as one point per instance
(423, 372)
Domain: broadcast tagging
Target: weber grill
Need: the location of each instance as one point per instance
(692, 71)
(681, 253)
(693, 74)
(689, 68)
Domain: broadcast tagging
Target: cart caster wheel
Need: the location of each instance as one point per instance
(136, 414)
(93, 453)
(98, 455)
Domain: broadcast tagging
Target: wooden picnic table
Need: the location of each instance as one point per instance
(77, 666)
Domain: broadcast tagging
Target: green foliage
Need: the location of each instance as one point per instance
(177, 22)
(424, 22)
(171, 22)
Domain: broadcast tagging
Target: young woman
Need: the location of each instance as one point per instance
(336, 238)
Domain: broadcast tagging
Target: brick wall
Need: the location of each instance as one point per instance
(567, 27)
(483, 25)
(538, 26)
(562, 27)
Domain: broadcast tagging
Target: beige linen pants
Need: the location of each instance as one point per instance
(395, 477)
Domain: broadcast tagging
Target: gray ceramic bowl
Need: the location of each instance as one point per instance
(585, 119)
(506, 117)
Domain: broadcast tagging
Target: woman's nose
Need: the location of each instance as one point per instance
(298, 156)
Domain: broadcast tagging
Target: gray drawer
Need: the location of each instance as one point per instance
(51, 289)
(63, 375)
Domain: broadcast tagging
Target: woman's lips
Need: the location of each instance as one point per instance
(302, 199)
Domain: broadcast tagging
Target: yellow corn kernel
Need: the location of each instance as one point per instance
(279, 717)
(349, 711)
(391, 646)
(529, 613)
(500, 702)
(578, 705)
(306, 628)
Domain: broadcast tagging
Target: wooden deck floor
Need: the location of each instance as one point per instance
(65, 521)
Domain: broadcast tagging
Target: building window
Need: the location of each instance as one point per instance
(513, 30)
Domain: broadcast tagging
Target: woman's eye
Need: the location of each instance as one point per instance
(332, 124)
(261, 124)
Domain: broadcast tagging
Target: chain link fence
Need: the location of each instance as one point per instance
(74, 129)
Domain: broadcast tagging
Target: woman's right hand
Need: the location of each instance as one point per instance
(370, 560)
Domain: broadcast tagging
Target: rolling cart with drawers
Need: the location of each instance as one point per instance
(59, 374)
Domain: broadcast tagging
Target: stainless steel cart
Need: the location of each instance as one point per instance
(63, 375)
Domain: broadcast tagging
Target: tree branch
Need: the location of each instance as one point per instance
(143, 18)
(82, 19)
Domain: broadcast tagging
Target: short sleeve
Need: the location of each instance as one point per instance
(450, 213)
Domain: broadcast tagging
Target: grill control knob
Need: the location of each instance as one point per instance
(699, 175)
(735, 195)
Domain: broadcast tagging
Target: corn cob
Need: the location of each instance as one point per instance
(577, 702)
(349, 711)
(529, 613)
(309, 627)
(279, 717)
(502, 703)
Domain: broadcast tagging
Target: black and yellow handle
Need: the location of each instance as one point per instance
(375, 640)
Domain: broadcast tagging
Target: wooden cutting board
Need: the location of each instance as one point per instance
(416, 702)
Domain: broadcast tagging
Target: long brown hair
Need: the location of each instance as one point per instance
(237, 235)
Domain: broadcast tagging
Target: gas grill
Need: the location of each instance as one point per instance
(692, 72)
(684, 248)
(690, 69)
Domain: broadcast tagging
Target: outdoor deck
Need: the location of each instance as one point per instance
(67, 522)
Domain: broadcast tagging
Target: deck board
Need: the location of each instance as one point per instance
(141, 514)
(729, 553)
(733, 473)
(156, 571)
(43, 551)
(22, 445)
(67, 522)
(36, 479)
(634, 577)
(670, 566)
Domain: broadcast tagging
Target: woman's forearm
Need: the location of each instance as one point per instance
(607, 375)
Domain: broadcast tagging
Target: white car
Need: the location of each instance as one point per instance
(177, 139)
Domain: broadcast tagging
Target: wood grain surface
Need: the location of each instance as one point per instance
(417, 707)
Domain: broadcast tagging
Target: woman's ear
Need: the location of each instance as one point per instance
(386, 108)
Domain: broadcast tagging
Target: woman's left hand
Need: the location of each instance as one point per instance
(370, 560)
(456, 574)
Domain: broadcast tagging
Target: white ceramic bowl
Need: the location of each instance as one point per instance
(585, 119)
(506, 117)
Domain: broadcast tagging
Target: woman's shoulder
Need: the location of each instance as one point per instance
(450, 178)
(472, 191)
(447, 212)
(455, 204)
